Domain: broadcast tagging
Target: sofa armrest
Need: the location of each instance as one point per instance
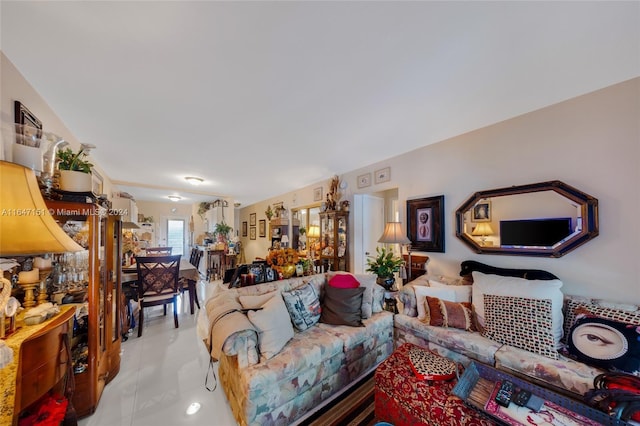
(244, 346)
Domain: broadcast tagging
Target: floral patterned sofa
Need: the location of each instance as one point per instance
(314, 365)
(564, 375)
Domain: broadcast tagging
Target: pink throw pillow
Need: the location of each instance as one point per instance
(344, 281)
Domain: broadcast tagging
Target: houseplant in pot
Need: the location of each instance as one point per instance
(221, 231)
(75, 170)
(384, 265)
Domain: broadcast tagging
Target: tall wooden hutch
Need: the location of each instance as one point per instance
(334, 240)
(96, 364)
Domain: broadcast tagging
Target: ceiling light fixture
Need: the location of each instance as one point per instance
(174, 198)
(194, 180)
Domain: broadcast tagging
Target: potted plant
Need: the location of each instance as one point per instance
(222, 230)
(384, 265)
(75, 170)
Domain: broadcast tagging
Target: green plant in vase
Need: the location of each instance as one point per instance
(222, 230)
(75, 170)
(384, 265)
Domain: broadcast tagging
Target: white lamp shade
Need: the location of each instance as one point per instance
(393, 234)
(482, 229)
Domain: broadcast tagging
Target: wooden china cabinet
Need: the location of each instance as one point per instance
(96, 338)
(334, 240)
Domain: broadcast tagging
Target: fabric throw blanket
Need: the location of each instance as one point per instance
(226, 318)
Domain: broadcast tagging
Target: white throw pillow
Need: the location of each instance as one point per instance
(463, 292)
(519, 287)
(274, 326)
(256, 301)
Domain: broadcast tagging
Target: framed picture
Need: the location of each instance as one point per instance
(481, 212)
(383, 175)
(23, 116)
(244, 228)
(364, 180)
(96, 182)
(317, 194)
(425, 224)
(262, 228)
(252, 233)
(252, 219)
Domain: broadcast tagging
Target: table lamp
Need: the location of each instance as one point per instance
(285, 241)
(482, 229)
(26, 225)
(313, 234)
(393, 234)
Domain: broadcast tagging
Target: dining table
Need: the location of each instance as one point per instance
(187, 271)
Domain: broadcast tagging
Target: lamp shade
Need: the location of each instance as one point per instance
(284, 239)
(26, 226)
(393, 234)
(482, 229)
(314, 231)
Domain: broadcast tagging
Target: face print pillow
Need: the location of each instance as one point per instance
(605, 343)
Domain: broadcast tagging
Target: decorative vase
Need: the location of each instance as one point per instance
(74, 181)
(288, 271)
(386, 282)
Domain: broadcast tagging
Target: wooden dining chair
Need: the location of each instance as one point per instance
(158, 284)
(159, 251)
(194, 259)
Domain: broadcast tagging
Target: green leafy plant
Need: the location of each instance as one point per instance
(222, 229)
(68, 160)
(302, 230)
(384, 264)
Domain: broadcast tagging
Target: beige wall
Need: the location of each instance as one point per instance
(14, 87)
(591, 142)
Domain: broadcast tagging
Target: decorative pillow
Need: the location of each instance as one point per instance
(256, 301)
(303, 306)
(521, 322)
(342, 306)
(274, 326)
(344, 281)
(369, 302)
(519, 287)
(463, 292)
(422, 292)
(617, 312)
(606, 343)
(442, 313)
(429, 366)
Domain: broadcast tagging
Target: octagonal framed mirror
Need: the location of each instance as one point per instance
(545, 219)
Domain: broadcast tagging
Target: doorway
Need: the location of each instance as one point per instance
(175, 235)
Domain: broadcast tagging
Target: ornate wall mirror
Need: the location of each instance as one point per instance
(547, 219)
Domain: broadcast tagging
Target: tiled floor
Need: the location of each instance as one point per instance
(161, 374)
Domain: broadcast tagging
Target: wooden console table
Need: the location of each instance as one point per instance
(39, 364)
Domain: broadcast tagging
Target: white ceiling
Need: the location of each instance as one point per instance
(262, 98)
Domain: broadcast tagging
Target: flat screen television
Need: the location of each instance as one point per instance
(534, 232)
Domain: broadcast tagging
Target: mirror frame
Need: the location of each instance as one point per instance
(588, 206)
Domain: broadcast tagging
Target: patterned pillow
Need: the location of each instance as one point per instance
(573, 307)
(303, 306)
(443, 313)
(520, 322)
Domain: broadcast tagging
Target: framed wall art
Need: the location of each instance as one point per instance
(262, 228)
(481, 212)
(383, 175)
(244, 228)
(252, 233)
(23, 116)
(317, 194)
(425, 224)
(96, 182)
(252, 219)
(364, 180)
